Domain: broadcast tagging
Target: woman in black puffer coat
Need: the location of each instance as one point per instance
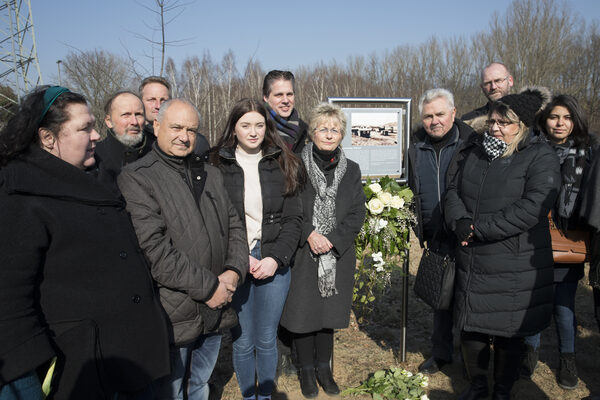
(498, 206)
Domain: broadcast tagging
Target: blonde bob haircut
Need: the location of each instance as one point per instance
(505, 112)
(325, 112)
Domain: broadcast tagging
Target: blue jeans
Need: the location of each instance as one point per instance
(441, 338)
(259, 304)
(564, 318)
(26, 387)
(191, 367)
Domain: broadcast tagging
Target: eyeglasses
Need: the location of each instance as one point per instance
(496, 82)
(501, 123)
(325, 131)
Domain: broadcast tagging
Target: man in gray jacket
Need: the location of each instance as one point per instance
(195, 243)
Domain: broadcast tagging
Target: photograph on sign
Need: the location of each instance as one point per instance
(374, 129)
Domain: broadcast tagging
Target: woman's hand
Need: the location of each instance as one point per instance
(252, 262)
(318, 243)
(264, 268)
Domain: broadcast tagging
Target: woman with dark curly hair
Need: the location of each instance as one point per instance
(76, 297)
(562, 123)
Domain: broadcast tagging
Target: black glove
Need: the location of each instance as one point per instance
(463, 230)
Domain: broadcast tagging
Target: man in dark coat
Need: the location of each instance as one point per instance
(195, 242)
(279, 96)
(155, 90)
(496, 82)
(125, 140)
(431, 153)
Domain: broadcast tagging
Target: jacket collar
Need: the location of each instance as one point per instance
(228, 153)
(40, 173)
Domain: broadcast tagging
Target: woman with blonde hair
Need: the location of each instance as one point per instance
(320, 294)
(497, 205)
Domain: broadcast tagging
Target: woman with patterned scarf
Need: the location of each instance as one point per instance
(320, 294)
(563, 125)
(497, 205)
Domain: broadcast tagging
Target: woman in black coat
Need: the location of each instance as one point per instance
(263, 178)
(75, 291)
(563, 125)
(320, 294)
(498, 206)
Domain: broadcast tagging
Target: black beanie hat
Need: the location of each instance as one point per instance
(527, 103)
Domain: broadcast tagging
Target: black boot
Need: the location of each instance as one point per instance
(475, 354)
(325, 379)
(477, 390)
(567, 373)
(529, 362)
(507, 359)
(308, 382)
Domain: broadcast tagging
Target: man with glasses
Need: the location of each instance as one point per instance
(496, 82)
(432, 164)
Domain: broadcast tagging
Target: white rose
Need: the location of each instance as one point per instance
(424, 384)
(397, 202)
(375, 206)
(424, 397)
(380, 224)
(385, 197)
(379, 268)
(375, 187)
(377, 257)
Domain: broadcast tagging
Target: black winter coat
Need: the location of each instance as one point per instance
(305, 310)
(504, 283)
(190, 234)
(73, 283)
(112, 155)
(282, 215)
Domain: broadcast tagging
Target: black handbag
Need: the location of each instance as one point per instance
(434, 282)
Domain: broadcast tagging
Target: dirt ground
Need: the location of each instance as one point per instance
(362, 349)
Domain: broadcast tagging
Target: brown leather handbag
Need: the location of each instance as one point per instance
(574, 247)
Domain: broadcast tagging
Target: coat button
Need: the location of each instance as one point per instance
(123, 255)
(197, 158)
(136, 298)
(198, 177)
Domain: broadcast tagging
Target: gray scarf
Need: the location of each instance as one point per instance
(324, 214)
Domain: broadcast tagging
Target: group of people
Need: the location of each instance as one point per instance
(123, 260)
(488, 186)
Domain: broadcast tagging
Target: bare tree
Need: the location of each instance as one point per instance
(97, 74)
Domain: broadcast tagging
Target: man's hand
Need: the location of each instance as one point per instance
(220, 297)
(264, 268)
(318, 243)
(230, 279)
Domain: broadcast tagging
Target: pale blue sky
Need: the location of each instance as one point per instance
(282, 35)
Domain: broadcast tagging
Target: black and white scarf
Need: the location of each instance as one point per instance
(288, 129)
(493, 146)
(572, 165)
(324, 213)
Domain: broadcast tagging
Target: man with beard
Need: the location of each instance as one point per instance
(125, 140)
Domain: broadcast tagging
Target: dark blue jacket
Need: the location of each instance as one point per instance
(428, 178)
